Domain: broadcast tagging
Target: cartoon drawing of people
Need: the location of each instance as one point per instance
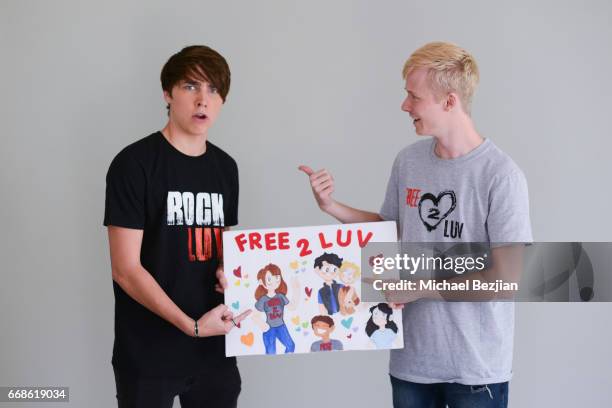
(326, 266)
(347, 295)
(381, 328)
(323, 326)
(271, 296)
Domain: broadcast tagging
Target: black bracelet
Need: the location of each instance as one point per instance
(195, 328)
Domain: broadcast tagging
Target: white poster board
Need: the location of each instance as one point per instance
(303, 286)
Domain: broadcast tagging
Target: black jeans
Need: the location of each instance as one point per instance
(219, 388)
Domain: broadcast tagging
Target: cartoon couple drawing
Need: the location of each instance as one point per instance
(271, 299)
(334, 297)
(380, 328)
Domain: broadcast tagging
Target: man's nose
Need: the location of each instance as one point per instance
(406, 106)
(202, 98)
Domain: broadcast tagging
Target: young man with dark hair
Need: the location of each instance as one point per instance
(455, 187)
(327, 266)
(169, 196)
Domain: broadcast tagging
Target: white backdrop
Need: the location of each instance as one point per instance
(313, 82)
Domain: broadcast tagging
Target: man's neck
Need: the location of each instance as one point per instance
(191, 145)
(460, 139)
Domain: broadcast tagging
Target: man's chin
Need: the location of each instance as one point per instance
(421, 133)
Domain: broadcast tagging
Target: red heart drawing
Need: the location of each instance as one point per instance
(238, 325)
(349, 335)
(238, 272)
(308, 291)
(371, 261)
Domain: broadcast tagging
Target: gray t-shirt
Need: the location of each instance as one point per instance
(332, 345)
(273, 307)
(479, 197)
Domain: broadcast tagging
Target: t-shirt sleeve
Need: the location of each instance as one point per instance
(259, 305)
(390, 208)
(508, 219)
(284, 299)
(125, 193)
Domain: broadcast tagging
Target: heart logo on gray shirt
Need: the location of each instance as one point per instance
(433, 210)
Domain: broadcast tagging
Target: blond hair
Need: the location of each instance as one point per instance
(349, 265)
(450, 69)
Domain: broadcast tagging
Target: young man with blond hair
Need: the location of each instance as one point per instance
(455, 187)
(168, 198)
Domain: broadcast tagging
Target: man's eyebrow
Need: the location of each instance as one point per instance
(191, 82)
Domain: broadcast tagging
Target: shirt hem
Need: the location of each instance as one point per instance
(460, 380)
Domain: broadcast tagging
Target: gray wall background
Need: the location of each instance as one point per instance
(313, 82)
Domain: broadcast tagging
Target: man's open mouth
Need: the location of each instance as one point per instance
(200, 116)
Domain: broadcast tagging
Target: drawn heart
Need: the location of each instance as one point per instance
(294, 265)
(247, 284)
(433, 210)
(247, 339)
(237, 283)
(372, 258)
(236, 305)
(347, 322)
(304, 324)
(303, 270)
(308, 291)
(355, 329)
(238, 272)
(349, 335)
(295, 320)
(306, 333)
(304, 262)
(238, 324)
(297, 329)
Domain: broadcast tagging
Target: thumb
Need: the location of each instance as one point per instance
(306, 169)
(220, 309)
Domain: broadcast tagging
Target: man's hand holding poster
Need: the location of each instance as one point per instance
(303, 285)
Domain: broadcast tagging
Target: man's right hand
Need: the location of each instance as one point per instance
(322, 184)
(218, 321)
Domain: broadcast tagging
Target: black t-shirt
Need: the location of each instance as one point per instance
(181, 203)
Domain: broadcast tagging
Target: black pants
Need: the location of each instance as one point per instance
(218, 388)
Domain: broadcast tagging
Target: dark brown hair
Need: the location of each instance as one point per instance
(261, 276)
(197, 62)
(371, 327)
(323, 319)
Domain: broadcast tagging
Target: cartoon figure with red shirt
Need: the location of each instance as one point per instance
(271, 296)
(323, 326)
